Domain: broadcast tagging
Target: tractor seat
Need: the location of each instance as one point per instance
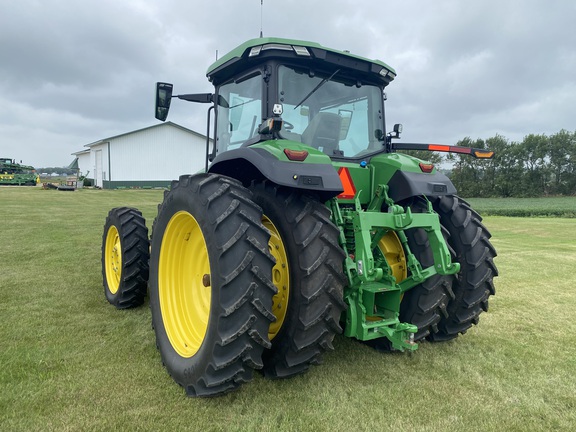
(323, 132)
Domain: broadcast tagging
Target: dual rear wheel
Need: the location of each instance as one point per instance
(125, 257)
(470, 289)
(308, 276)
(442, 307)
(240, 279)
(210, 288)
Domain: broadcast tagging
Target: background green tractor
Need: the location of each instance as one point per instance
(12, 173)
(305, 223)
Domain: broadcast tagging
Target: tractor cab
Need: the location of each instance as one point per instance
(328, 100)
(321, 99)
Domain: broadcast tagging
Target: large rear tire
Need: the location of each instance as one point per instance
(425, 304)
(469, 241)
(125, 257)
(308, 275)
(210, 288)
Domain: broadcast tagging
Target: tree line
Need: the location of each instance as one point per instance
(540, 165)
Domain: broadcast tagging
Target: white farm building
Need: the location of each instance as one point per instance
(149, 157)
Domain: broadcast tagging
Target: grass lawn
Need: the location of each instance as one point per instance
(70, 361)
(544, 206)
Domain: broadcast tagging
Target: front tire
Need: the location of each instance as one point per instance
(308, 275)
(210, 288)
(125, 257)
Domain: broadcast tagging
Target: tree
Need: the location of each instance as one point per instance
(559, 163)
(467, 173)
(570, 174)
(503, 170)
(534, 152)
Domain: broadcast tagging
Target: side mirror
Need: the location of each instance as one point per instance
(396, 132)
(163, 99)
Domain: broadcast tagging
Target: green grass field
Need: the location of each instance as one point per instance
(70, 361)
(527, 207)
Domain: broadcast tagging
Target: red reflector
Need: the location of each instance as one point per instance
(347, 184)
(296, 155)
(427, 168)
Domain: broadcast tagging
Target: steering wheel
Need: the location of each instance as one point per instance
(287, 125)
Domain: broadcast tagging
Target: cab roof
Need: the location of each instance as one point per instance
(256, 50)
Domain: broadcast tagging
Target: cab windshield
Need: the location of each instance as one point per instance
(339, 118)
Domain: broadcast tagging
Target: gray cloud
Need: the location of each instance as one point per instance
(75, 72)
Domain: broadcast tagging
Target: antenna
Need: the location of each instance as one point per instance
(261, 8)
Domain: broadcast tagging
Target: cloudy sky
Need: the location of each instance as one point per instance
(73, 72)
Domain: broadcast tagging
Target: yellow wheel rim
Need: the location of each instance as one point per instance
(113, 259)
(280, 278)
(184, 287)
(392, 249)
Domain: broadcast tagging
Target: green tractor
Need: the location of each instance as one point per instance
(305, 223)
(12, 173)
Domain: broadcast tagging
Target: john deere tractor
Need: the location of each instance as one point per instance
(12, 173)
(305, 223)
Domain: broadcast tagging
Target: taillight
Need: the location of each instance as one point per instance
(426, 168)
(296, 155)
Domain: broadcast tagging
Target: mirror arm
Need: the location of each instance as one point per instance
(196, 97)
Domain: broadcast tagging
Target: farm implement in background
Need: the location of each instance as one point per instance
(12, 173)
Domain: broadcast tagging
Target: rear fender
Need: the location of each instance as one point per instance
(406, 184)
(247, 164)
(406, 178)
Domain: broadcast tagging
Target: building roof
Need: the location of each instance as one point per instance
(78, 153)
(168, 123)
